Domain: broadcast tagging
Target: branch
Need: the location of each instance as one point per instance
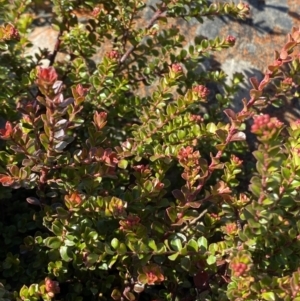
(55, 50)
(155, 17)
(194, 221)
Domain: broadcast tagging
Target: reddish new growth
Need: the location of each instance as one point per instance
(74, 198)
(265, 126)
(188, 156)
(215, 216)
(185, 153)
(5, 133)
(230, 228)
(130, 223)
(26, 119)
(286, 84)
(13, 33)
(46, 76)
(118, 208)
(288, 81)
(100, 120)
(158, 185)
(109, 158)
(189, 160)
(154, 274)
(235, 160)
(96, 11)
(201, 91)
(177, 68)
(243, 199)
(238, 268)
(81, 91)
(112, 55)
(52, 287)
(6, 180)
(9, 32)
(141, 168)
(230, 40)
(196, 118)
(151, 278)
(295, 125)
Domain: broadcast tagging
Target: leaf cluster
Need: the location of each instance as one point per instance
(124, 177)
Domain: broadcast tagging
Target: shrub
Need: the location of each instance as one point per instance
(113, 193)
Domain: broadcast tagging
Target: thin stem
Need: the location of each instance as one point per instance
(155, 17)
(194, 221)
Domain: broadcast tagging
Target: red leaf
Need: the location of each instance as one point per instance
(265, 81)
(6, 133)
(230, 114)
(254, 82)
(6, 180)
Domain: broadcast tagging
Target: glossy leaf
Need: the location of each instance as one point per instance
(53, 242)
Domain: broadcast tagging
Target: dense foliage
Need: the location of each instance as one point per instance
(131, 178)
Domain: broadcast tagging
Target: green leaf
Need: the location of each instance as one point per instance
(116, 294)
(33, 289)
(143, 278)
(185, 263)
(115, 243)
(121, 249)
(192, 245)
(184, 251)
(211, 259)
(65, 254)
(269, 296)
(202, 243)
(92, 258)
(15, 171)
(69, 243)
(52, 242)
(181, 134)
(220, 147)
(113, 261)
(176, 244)
(44, 140)
(62, 213)
(24, 291)
(123, 164)
(57, 228)
(108, 250)
(148, 186)
(286, 173)
(171, 109)
(173, 256)
(211, 128)
(256, 189)
(152, 244)
(172, 214)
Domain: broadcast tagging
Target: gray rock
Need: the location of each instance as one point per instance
(257, 37)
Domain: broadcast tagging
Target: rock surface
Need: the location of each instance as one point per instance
(256, 38)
